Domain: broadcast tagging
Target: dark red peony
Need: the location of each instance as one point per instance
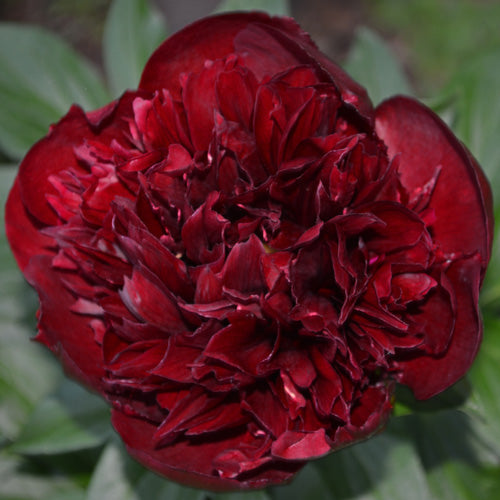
(243, 256)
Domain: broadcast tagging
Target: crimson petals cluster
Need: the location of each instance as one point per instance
(243, 256)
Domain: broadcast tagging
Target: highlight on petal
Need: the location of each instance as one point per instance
(293, 445)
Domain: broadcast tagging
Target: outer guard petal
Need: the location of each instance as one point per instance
(463, 228)
(216, 37)
(460, 199)
(428, 375)
(488, 199)
(207, 39)
(66, 333)
(22, 230)
(189, 463)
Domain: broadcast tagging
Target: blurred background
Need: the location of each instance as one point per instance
(430, 37)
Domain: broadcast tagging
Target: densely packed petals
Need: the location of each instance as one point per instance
(243, 256)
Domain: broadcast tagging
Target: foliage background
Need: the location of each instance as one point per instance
(55, 439)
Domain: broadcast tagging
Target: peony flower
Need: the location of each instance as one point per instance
(243, 256)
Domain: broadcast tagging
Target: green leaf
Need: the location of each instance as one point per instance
(242, 495)
(133, 30)
(26, 375)
(72, 419)
(309, 483)
(18, 482)
(153, 487)
(40, 78)
(372, 63)
(273, 7)
(110, 480)
(459, 464)
(484, 406)
(382, 467)
(439, 37)
(453, 397)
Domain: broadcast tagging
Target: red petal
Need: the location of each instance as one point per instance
(200, 104)
(177, 363)
(297, 445)
(137, 360)
(371, 409)
(427, 375)
(295, 401)
(56, 152)
(424, 143)
(412, 286)
(328, 385)
(402, 229)
(208, 39)
(236, 95)
(69, 335)
(278, 45)
(22, 230)
(141, 247)
(145, 297)
(268, 45)
(267, 410)
(368, 416)
(48, 156)
(243, 269)
(233, 463)
(208, 287)
(197, 402)
(189, 461)
(202, 233)
(225, 416)
(296, 363)
(240, 345)
(266, 130)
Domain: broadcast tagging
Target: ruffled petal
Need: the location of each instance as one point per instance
(191, 463)
(424, 145)
(428, 375)
(56, 152)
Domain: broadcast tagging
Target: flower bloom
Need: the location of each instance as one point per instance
(243, 256)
